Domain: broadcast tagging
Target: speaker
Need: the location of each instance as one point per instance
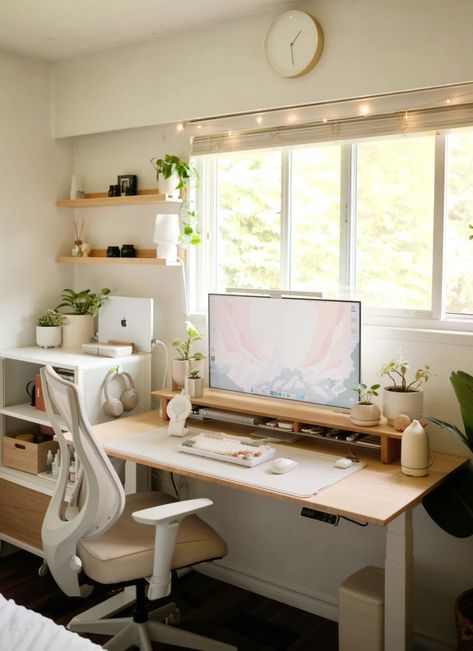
(128, 399)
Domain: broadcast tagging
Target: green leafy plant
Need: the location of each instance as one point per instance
(450, 505)
(365, 393)
(51, 318)
(183, 346)
(397, 369)
(185, 173)
(194, 374)
(463, 386)
(83, 302)
(471, 236)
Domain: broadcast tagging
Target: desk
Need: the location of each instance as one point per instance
(379, 494)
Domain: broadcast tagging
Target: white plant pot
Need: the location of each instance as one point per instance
(180, 370)
(79, 330)
(402, 402)
(194, 387)
(48, 336)
(365, 415)
(168, 186)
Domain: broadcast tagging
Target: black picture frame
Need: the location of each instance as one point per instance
(128, 184)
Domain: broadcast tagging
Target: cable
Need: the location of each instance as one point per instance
(174, 485)
(360, 524)
(158, 342)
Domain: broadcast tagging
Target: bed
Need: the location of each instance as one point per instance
(24, 630)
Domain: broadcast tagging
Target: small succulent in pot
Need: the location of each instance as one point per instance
(51, 318)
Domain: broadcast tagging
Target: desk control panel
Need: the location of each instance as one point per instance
(322, 516)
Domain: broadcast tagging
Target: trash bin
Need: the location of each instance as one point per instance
(361, 611)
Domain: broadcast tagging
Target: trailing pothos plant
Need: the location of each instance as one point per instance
(186, 174)
(450, 505)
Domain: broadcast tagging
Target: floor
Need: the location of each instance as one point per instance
(208, 606)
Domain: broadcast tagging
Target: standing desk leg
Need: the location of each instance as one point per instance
(398, 584)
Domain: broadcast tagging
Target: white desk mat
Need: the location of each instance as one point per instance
(314, 472)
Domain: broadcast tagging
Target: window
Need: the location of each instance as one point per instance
(381, 219)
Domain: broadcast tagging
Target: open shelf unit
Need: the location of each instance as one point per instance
(385, 437)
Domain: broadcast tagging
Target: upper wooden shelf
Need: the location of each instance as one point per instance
(92, 200)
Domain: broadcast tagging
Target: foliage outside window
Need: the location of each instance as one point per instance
(362, 220)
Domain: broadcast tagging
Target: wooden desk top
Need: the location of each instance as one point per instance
(377, 494)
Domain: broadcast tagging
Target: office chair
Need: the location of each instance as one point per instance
(109, 538)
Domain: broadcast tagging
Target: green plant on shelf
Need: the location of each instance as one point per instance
(51, 318)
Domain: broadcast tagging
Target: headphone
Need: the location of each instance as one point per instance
(128, 399)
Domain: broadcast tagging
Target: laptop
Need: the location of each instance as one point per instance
(127, 319)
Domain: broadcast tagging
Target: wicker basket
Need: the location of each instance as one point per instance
(464, 620)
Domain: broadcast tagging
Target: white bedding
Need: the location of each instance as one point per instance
(24, 630)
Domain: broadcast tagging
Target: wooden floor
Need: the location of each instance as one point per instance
(221, 611)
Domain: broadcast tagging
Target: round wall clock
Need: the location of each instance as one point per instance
(293, 44)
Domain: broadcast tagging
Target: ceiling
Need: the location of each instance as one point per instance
(58, 29)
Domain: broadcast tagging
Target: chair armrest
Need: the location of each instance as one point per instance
(172, 511)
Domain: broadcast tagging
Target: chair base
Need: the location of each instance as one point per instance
(126, 632)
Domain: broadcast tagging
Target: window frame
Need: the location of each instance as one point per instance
(201, 270)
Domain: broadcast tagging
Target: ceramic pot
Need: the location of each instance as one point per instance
(402, 402)
(180, 370)
(168, 186)
(48, 336)
(365, 415)
(194, 387)
(79, 330)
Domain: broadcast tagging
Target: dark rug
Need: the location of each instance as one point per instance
(271, 635)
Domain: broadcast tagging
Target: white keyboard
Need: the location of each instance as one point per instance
(225, 447)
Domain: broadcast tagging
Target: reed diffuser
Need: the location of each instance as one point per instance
(77, 247)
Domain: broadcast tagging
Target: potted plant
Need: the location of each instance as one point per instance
(194, 383)
(174, 179)
(181, 366)
(365, 412)
(82, 307)
(403, 396)
(48, 329)
(450, 505)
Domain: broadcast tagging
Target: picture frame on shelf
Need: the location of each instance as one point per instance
(128, 184)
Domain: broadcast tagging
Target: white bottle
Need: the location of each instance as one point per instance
(49, 462)
(55, 466)
(415, 450)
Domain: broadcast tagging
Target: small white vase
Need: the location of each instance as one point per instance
(48, 336)
(365, 415)
(402, 402)
(79, 330)
(415, 450)
(194, 387)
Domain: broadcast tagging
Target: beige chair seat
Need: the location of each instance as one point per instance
(125, 551)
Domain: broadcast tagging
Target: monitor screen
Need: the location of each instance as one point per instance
(302, 349)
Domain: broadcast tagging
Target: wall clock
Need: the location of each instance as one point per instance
(293, 44)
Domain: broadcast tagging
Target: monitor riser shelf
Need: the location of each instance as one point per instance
(297, 414)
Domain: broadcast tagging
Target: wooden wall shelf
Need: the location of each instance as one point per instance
(92, 200)
(297, 413)
(99, 256)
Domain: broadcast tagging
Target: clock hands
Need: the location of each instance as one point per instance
(291, 44)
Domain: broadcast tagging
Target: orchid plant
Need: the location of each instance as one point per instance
(397, 369)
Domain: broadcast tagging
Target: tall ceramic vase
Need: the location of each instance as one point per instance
(79, 330)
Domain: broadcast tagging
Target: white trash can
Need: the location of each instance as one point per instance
(361, 611)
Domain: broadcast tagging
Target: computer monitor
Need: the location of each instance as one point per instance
(294, 348)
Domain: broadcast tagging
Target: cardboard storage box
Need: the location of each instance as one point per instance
(24, 454)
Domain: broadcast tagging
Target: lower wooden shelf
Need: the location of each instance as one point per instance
(296, 413)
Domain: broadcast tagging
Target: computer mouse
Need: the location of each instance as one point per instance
(282, 465)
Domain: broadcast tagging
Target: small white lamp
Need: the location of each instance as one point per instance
(166, 236)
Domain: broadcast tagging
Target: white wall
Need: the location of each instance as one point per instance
(35, 170)
(371, 46)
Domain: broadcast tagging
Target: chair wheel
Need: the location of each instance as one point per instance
(174, 618)
(43, 569)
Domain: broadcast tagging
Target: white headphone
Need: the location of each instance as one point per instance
(128, 399)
